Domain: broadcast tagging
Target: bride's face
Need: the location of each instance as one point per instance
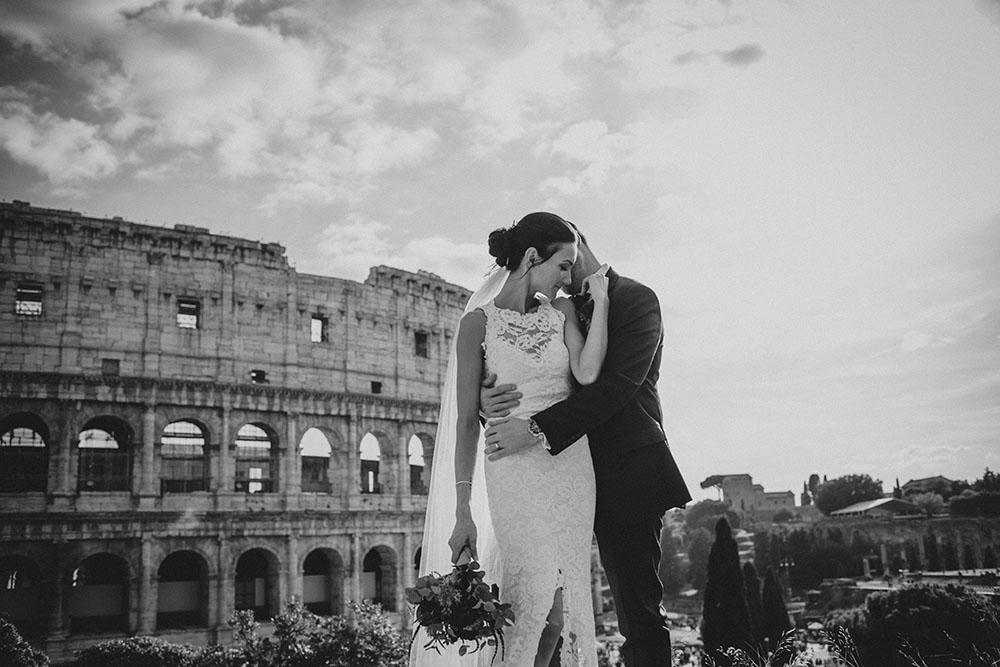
(555, 272)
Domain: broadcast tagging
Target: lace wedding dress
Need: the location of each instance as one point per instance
(542, 506)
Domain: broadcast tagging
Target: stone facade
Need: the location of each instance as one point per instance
(189, 426)
(751, 500)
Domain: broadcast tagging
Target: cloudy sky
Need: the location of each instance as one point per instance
(812, 188)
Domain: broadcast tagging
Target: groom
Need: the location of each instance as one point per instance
(637, 479)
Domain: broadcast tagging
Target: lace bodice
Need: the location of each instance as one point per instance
(527, 349)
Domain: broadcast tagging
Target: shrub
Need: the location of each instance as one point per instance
(15, 652)
(136, 652)
(303, 639)
(924, 624)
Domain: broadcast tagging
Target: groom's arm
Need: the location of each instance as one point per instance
(633, 342)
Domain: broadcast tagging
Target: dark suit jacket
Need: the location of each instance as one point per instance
(621, 414)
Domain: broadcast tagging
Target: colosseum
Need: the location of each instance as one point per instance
(189, 426)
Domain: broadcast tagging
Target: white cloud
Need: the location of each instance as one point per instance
(64, 150)
(351, 248)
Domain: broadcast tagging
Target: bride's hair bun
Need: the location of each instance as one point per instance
(500, 245)
(544, 232)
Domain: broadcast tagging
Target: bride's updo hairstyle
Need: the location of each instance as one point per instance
(544, 232)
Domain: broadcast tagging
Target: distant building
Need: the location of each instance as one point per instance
(923, 485)
(749, 499)
(744, 544)
(881, 507)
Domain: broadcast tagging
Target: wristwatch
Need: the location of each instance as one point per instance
(536, 430)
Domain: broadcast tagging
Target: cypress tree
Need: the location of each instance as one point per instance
(776, 621)
(751, 584)
(725, 618)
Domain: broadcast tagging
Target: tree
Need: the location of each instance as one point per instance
(15, 651)
(705, 513)
(698, 546)
(805, 498)
(989, 482)
(670, 567)
(813, 485)
(725, 617)
(782, 516)
(930, 503)
(841, 492)
(751, 584)
(775, 614)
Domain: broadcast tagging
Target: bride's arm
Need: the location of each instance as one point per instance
(469, 349)
(586, 356)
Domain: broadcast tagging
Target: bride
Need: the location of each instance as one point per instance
(529, 518)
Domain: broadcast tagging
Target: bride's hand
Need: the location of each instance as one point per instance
(596, 284)
(463, 540)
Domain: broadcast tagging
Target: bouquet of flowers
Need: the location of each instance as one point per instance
(460, 607)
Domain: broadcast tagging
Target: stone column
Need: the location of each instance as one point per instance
(147, 474)
(353, 472)
(147, 593)
(293, 468)
(62, 454)
(224, 480)
(357, 565)
(921, 555)
(407, 578)
(293, 581)
(884, 555)
(226, 602)
(403, 463)
(57, 610)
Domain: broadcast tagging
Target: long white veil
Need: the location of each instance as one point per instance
(440, 519)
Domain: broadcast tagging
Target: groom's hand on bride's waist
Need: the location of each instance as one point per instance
(508, 437)
(497, 400)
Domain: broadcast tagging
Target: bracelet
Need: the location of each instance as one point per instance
(463, 481)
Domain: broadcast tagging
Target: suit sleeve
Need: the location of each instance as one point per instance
(634, 337)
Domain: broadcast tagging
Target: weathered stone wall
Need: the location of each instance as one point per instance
(110, 292)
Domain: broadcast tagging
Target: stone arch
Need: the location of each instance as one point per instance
(379, 576)
(99, 595)
(258, 458)
(315, 456)
(375, 462)
(323, 581)
(104, 448)
(257, 583)
(23, 594)
(182, 590)
(184, 456)
(24, 453)
(420, 450)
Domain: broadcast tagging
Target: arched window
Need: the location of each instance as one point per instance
(417, 466)
(182, 591)
(378, 580)
(22, 599)
(370, 455)
(322, 582)
(256, 460)
(23, 454)
(99, 595)
(315, 450)
(105, 455)
(182, 450)
(257, 583)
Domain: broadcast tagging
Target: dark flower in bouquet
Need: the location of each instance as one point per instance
(459, 607)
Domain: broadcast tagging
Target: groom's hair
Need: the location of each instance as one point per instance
(579, 234)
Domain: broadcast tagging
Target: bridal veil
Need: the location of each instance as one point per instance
(440, 518)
